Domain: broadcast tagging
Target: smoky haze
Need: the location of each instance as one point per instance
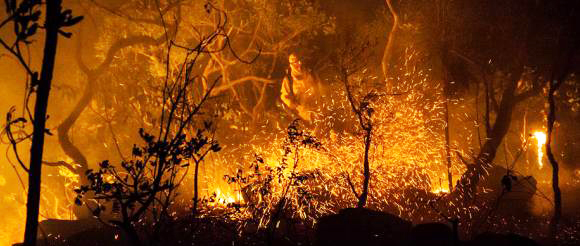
(454, 57)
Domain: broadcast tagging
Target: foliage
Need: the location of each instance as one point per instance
(143, 189)
(136, 181)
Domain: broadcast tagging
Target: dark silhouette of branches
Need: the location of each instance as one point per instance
(560, 71)
(25, 15)
(144, 187)
(93, 75)
(275, 193)
(351, 61)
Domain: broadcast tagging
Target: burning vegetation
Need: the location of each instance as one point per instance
(290, 122)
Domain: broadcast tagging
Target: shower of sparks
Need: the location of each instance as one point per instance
(541, 141)
(406, 158)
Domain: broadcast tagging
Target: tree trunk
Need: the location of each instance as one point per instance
(92, 77)
(132, 235)
(448, 144)
(53, 9)
(467, 185)
(195, 188)
(362, 200)
(551, 158)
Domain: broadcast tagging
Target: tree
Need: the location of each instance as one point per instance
(25, 16)
(508, 78)
(96, 74)
(552, 87)
(561, 69)
(279, 192)
(144, 187)
(254, 25)
(349, 65)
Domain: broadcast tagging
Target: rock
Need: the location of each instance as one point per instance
(53, 228)
(363, 227)
(97, 237)
(85, 232)
(494, 239)
(431, 234)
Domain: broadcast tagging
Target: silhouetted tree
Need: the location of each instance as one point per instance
(96, 73)
(561, 69)
(144, 188)
(351, 62)
(25, 15)
(510, 74)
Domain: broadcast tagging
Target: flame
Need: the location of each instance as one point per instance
(222, 199)
(406, 158)
(541, 141)
(440, 190)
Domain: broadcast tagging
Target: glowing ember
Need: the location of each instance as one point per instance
(541, 141)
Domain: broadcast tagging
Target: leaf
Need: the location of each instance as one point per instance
(104, 164)
(107, 187)
(32, 29)
(78, 201)
(35, 16)
(73, 21)
(10, 6)
(216, 148)
(207, 124)
(65, 34)
(66, 14)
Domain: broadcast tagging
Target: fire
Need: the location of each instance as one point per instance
(440, 190)
(541, 141)
(223, 199)
(407, 163)
(55, 204)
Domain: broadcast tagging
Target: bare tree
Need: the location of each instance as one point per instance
(351, 61)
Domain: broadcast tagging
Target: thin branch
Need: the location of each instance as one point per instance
(351, 185)
(60, 164)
